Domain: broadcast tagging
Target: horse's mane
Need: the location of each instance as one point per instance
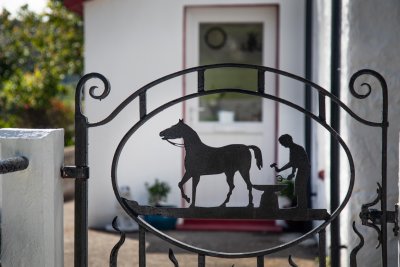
(190, 133)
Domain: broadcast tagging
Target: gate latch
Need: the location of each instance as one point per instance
(75, 172)
(373, 217)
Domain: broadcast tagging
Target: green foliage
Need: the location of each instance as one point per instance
(289, 190)
(40, 55)
(158, 192)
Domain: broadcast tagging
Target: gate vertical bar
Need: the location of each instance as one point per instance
(201, 260)
(260, 261)
(81, 191)
(335, 123)
(322, 248)
(200, 81)
(384, 171)
(261, 81)
(308, 94)
(142, 247)
(142, 105)
(321, 107)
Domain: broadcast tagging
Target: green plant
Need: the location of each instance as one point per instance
(158, 192)
(41, 56)
(289, 190)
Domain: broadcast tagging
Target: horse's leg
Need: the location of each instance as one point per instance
(246, 177)
(185, 178)
(195, 182)
(229, 179)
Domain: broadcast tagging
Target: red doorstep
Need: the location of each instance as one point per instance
(229, 225)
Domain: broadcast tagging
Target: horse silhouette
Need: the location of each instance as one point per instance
(202, 159)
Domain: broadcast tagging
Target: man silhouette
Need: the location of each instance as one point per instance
(298, 161)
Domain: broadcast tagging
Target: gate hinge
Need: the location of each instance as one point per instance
(75, 172)
(373, 217)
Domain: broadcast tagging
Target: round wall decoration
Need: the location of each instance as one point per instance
(215, 37)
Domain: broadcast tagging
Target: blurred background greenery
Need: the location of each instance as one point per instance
(41, 60)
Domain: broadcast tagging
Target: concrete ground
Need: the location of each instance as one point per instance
(101, 243)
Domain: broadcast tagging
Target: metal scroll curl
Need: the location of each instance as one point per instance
(115, 249)
(353, 254)
(372, 217)
(92, 89)
(381, 81)
(172, 258)
(373, 73)
(291, 262)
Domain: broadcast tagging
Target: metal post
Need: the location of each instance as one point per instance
(201, 260)
(308, 94)
(142, 247)
(81, 192)
(322, 248)
(260, 261)
(82, 170)
(335, 123)
(385, 120)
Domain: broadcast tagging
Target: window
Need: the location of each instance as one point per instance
(233, 43)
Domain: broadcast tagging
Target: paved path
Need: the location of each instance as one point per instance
(101, 243)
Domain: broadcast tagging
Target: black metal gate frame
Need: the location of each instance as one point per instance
(368, 216)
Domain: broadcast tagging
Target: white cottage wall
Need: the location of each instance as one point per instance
(373, 37)
(133, 43)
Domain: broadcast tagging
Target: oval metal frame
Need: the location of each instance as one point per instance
(225, 254)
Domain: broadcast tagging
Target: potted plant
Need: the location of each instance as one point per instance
(157, 196)
(288, 192)
(158, 192)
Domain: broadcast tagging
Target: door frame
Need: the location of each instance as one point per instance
(275, 64)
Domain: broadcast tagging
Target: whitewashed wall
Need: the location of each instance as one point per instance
(32, 199)
(373, 42)
(133, 43)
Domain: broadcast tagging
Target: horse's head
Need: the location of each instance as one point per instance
(174, 132)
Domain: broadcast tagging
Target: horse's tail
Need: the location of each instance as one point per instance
(257, 155)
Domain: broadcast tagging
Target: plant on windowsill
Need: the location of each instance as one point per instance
(158, 195)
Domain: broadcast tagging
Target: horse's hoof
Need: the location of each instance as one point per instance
(192, 206)
(223, 205)
(251, 205)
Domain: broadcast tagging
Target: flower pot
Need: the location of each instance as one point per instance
(161, 222)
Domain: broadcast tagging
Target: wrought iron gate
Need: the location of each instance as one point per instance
(267, 208)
